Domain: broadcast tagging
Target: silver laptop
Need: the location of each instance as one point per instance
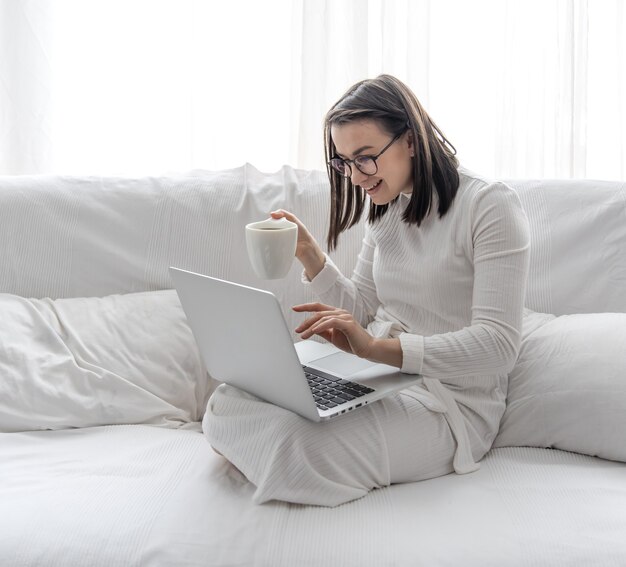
(244, 341)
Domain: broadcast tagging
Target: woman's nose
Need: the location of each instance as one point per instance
(357, 177)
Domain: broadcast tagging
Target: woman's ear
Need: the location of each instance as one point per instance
(410, 143)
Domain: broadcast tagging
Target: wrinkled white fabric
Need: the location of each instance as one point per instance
(86, 361)
(290, 458)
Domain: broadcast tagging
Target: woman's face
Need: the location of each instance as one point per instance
(395, 167)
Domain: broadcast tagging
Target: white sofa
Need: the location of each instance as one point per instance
(102, 460)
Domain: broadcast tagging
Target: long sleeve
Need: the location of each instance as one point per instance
(499, 237)
(452, 290)
(356, 295)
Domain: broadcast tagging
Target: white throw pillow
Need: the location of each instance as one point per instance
(568, 387)
(82, 362)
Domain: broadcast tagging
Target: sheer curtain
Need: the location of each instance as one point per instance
(522, 88)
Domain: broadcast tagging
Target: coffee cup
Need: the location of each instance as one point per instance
(271, 247)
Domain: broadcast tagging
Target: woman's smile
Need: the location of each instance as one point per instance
(372, 188)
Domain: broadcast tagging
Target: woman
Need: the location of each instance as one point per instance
(438, 290)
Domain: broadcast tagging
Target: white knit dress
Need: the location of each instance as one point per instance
(452, 290)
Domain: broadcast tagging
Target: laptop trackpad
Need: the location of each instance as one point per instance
(341, 363)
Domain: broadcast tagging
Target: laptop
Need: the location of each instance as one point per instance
(244, 341)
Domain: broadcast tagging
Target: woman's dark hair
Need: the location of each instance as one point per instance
(395, 108)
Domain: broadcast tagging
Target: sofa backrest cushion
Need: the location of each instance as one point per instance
(88, 236)
(92, 236)
(578, 245)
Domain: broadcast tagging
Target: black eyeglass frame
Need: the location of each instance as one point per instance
(347, 162)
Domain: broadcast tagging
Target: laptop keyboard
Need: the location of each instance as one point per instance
(330, 391)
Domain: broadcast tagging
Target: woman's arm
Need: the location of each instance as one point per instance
(499, 237)
(357, 294)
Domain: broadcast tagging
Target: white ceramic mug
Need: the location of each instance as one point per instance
(271, 247)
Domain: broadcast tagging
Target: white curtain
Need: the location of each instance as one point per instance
(522, 88)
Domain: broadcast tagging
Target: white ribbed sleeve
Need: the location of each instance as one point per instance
(452, 289)
(357, 295)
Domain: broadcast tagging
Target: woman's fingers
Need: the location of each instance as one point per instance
(326, 335)
(337, 326)
(327, 323)
(307, 323)
(305, 239)
(282, 213)
(314, 307)
(326, 312)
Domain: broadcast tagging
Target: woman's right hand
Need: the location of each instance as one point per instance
(308, 251)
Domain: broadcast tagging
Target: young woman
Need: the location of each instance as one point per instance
(438, 290)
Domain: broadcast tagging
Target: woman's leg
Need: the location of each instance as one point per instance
(290, 458)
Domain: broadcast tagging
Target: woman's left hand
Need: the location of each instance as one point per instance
(337, 326)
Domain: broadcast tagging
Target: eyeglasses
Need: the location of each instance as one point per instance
(365, 164)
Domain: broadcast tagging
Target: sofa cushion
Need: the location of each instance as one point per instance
(98, 361)
(96, 236)
(568, 388)
(578, 245)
